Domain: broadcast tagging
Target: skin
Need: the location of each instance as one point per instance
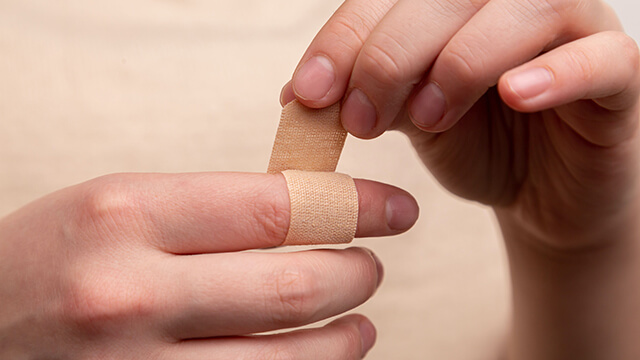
(529, 107)
(151, 266)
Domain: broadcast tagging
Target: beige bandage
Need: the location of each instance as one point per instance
(324, 204)
(307, 139)
(324, 208)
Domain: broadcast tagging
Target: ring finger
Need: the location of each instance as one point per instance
(265, 291)
(348, 338)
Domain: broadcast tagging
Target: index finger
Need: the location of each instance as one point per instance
(323, 73)
(220, 212)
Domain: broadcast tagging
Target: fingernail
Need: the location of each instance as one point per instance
(314, 79)
(286, 94)
(367, 335)
(358, 114)
(402, 212)
(428, 107)
(530, 83)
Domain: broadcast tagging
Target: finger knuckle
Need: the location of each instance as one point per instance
(273, 216)
(448, 7)
(291, 296)
(541, 12)
(386, 65)
(559, 9)
(94, 305)
(107, 201)
(461, 62)
(583, 62)
(629, 50)
(349, 30)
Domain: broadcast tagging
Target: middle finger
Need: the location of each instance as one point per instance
(264, 291)
(394, 58)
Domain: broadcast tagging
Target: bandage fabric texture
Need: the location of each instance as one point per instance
(324, 204)
(324, 208)
(307, 139)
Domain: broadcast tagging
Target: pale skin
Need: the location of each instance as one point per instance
(148, 266)
(529, 107)
(105, 269)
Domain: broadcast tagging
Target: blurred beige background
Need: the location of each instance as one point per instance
(91, 88)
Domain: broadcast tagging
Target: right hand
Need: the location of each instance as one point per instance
(140, 266)
(558, 158)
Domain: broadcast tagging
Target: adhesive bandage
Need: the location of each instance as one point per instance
(324, 204)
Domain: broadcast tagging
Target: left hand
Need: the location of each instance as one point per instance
(141, 266)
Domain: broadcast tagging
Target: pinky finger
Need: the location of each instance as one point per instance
(603, 67)
(348, 338)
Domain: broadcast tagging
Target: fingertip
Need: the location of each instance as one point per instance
(384, 209)
(523, 88)
(379, 267)
(358, 115)
(286, 94)
(427, 108)
(401, 212)
(507, 96)
(368, 335)
(367, 330)
(315, 83)
(314, 79)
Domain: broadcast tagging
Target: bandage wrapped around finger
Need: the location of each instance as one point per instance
(324, 204)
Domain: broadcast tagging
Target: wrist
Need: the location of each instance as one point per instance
(579, 302)
(574, 224)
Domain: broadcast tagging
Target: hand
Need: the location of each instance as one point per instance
(140, 266)
(528, 106)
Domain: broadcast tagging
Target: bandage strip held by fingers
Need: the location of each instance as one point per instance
(324, 204)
